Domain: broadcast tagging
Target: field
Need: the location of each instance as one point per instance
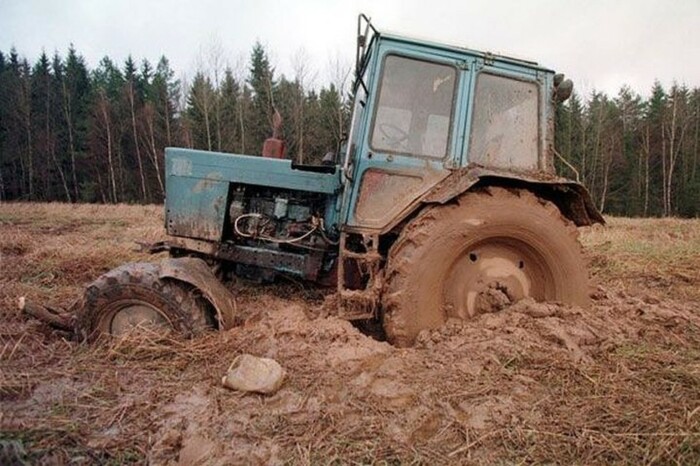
(618, 383)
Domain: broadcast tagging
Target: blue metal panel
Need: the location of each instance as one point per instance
(197, 185)
(246, 169)
(195, 208)
(437, 47)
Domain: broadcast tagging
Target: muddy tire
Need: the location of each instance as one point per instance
(134, 295)
(489, 249)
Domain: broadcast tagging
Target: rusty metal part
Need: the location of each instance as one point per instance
(197, 273)
(357, 303)
(309, 264)
(275, 147)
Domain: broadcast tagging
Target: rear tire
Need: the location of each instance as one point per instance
(491, 248)
(133, 295)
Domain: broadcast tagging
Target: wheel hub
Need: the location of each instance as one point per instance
(135, 315)
(489, 277)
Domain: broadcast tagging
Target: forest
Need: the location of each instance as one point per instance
(73, 134)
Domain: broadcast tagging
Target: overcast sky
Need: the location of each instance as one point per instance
(599, 44)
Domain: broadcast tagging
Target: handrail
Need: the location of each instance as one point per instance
(363, 43)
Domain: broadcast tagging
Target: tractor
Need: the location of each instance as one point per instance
(442, 203)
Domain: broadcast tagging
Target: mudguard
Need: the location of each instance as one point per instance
(197, 273)
(572, 198)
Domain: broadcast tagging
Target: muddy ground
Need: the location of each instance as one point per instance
(618, 383)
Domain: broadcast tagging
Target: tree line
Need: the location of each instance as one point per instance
(637, 156)
(69, 133)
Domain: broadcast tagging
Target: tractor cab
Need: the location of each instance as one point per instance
(423, 110)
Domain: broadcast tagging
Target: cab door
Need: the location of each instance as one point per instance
(412, 134)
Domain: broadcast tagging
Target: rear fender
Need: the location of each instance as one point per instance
(572, 198)
(197, 273)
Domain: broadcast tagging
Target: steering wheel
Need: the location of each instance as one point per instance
(392, 133)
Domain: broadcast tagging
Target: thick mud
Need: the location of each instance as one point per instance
(470, 391)
(461, 381)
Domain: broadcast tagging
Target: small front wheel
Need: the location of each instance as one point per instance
(133, 296)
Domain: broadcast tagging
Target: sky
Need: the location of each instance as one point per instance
(600, 44)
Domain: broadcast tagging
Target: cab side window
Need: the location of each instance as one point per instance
(415, 107)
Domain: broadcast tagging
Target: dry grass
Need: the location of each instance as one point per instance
(492, 391)
(661, 256)
(49, 251)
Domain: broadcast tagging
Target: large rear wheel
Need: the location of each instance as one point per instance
(134, 296)
(488, 250)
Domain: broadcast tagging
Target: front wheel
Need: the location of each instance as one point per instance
(490, 249)
(134, 296)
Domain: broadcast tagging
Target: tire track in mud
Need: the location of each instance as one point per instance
(349, 393)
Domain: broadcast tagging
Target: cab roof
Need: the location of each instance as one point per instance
(381, 35)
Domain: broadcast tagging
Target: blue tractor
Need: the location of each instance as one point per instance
(443, 203)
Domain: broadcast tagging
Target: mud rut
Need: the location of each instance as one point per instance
(477, 391)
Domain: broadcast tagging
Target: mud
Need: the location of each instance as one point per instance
(348, 396)
(526, 383)
(464, 377)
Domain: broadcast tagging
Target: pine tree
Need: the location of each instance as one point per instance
(132, 91)
(200, 112)
(43, 97)
(166, 93)
(287, 96)
(654, 119)
(229, 95)
(4, 165)
(15, 184)
(156, 119)
(106, 133)
(332, 117)
(75, 104)
(630, 177)
(261, 80)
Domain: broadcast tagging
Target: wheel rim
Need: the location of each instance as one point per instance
(137, 314)
(493, 274)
